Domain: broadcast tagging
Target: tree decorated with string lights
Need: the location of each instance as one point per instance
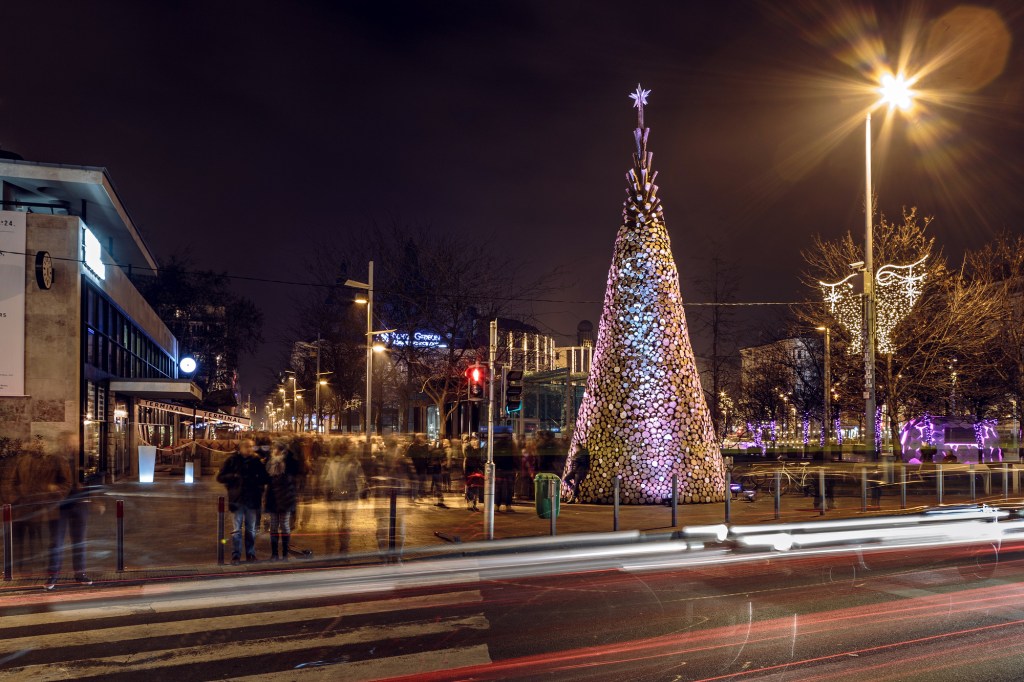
(927, 315)
(644, 415)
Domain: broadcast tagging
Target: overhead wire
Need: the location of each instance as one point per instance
(321, 285)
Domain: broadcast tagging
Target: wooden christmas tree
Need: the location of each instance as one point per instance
(644, 416)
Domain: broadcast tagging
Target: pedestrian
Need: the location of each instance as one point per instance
(244, 477)
(72, 519)
(435, 469)
(528, 467)
(506, 465)
(458, 466)
(26, 489)
(395, 482)
(474, 468)
(284, 470)
(343, 485)
(578, 473)
(446, 465)
(419, 453)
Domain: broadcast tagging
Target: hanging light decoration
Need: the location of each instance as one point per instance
(897, 289)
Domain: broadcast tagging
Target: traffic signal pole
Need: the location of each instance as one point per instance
(489, 471)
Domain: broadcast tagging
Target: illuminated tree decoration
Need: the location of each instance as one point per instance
(643, 416)
(897, 288)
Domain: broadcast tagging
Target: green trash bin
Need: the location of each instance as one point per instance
(541, 494)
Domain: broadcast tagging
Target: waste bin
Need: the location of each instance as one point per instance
(542, 494)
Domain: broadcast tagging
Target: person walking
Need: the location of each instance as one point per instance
(506, 465)
(435, 469)
(474, 472)
(284, 469)
(244, 477)
(419, 454)
(71, 519)
(580, 469)
(27, 489)
(343, 485)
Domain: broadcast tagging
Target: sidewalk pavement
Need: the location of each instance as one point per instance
(170, 528)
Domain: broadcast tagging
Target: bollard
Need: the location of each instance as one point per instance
(1006, 481)
(778, 494)
(821, 491)
(8, 543)
(903, 486)
(615, 503)
(864, 489)
(220, 531)
(675, 500)
(973, 483)
(728, 497)
(392, 524)
(938, 483)
(552, 491)
(120, 536)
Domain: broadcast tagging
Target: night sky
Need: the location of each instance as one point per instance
(253, 132)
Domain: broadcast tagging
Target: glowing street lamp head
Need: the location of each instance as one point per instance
(896, 91)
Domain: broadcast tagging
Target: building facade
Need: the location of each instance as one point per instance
(88, 367)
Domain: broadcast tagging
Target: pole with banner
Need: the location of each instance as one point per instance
(13, 243)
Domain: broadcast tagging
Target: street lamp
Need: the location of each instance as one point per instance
(371, 346)
(828, 382)
(368, 288)
(896, 92)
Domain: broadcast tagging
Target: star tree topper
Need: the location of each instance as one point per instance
(639, 98)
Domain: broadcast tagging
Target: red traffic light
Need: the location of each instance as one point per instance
(477, 374)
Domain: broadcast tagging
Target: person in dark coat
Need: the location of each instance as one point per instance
(419, 454)
(506, 465)
(580, 469)
(284, 469)
(244, 477)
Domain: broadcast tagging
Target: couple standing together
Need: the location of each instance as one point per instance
(246, 477)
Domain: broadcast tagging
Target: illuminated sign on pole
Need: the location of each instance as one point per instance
(92, 254)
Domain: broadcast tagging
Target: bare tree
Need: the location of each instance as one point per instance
(939, 328)
(718, 284)
(998, 268)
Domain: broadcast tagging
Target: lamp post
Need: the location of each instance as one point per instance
(371, 347)
(295, 402)
(828, 383)
(368, 288)
(895, 91)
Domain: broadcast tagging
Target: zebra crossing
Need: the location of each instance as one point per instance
(244, 636)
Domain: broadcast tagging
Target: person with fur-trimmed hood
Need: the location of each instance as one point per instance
(284, 469)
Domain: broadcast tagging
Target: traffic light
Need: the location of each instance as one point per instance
(513, 390)
(476, 376)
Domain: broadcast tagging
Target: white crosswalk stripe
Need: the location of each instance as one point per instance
(218, 640)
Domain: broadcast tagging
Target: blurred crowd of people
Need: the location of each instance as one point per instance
(273, 481)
